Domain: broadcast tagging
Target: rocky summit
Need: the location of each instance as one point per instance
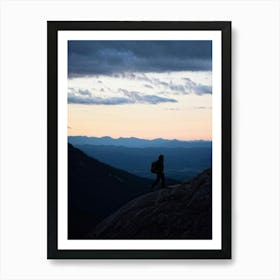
(181, 211)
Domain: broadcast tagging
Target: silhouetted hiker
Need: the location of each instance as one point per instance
(157, 168)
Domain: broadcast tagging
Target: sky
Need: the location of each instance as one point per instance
(144, 89)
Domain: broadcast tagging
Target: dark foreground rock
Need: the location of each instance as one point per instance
(178, 212)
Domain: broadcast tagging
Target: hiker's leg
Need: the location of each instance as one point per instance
(162, 180)
(156, 181)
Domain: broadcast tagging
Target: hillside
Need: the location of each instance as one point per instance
(95, 190)
(183, 211)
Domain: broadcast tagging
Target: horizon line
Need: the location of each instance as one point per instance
(149, 139)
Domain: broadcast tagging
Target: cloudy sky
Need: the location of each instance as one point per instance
(145, 89)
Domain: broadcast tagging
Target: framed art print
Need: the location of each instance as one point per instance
(139, 140)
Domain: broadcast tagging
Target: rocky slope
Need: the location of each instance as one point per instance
(178, 212)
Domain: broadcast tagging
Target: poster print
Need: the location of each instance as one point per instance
(143, 127)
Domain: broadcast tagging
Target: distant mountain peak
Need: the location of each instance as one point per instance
(136, 142)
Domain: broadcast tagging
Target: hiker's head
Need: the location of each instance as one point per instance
(161, 157)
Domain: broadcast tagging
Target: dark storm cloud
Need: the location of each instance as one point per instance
(87, 58)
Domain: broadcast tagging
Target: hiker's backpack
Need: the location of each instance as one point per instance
(154, 167)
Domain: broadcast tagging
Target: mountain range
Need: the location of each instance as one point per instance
(183, 159)
(133, 142)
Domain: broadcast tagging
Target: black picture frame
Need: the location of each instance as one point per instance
(53, 27)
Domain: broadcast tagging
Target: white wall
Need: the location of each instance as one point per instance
(255, 148)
